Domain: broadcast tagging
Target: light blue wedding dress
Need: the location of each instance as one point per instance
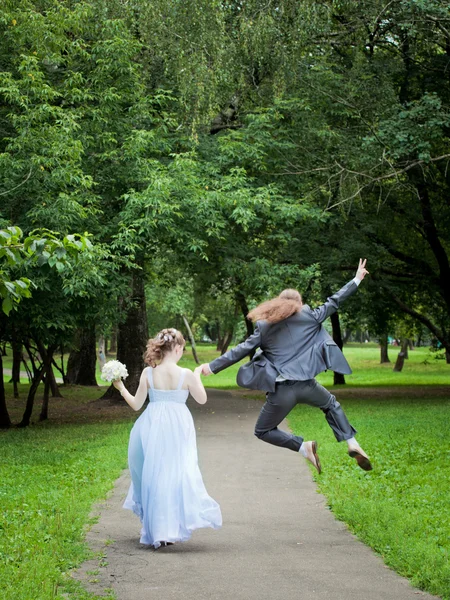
(167, 490)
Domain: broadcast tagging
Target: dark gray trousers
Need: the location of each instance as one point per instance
(286, 396)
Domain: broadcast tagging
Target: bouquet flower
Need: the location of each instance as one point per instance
(113, 370)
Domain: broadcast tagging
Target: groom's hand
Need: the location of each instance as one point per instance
(205, 370)
(362, 271)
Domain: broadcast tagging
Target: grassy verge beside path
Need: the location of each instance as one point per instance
(50, 476)
(401, 508)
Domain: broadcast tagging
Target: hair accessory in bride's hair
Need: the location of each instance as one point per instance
(166, 337)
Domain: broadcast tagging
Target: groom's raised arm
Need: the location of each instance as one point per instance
(236, 354)
(333, 302)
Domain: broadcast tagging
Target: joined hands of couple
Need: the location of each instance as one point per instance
(203, 370)
(361, 272)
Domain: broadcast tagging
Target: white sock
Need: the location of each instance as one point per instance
(302, 451)
(352, 442)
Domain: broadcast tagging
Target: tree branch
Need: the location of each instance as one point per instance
(440, 335)
(18, 186)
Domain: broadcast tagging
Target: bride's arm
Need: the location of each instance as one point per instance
(136, 402)
(195, 385)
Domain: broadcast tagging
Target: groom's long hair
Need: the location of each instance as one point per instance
(285, 305)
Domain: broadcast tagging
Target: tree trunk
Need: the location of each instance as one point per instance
(384, 357)
(59, 368)
(191, 338)
(338, 378)
(102, 351)
(208, 332)
(242, 302)
(5, 421)
(44, 409)
(88, 357)
(113, 341)
(47, 356)
(52, 382)
(31, 395)
(405, 347)
(83, 358)
(31, 357)
(27, 369)
(132, 338)
(402, 355)
(447, 356)
(347, 334)
(226, 341)
(399, 362)
(219, 339)
(17, 360)
(73, 362)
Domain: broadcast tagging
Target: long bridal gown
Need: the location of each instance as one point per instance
(167, 491)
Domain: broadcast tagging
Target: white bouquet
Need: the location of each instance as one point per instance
(113, 370)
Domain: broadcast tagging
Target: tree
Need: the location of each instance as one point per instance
(33, 256)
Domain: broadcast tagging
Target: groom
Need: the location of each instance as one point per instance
(295, 347)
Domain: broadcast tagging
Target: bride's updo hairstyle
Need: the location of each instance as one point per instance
(163, 342)
(285, 305)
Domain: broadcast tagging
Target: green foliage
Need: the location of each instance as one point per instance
(41, 247)
(11, 292)
(258, 146)
(72, 98)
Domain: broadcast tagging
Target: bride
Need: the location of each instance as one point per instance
(167, 490)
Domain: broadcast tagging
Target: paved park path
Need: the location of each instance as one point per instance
(24, 375)
(278, 542)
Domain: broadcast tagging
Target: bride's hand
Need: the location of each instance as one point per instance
(118, 384)
(205, 370)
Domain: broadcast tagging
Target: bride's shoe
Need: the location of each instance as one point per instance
(165, 544)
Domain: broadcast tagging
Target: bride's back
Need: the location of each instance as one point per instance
(167, 377)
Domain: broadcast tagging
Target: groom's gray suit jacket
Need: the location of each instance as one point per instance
(297, 348)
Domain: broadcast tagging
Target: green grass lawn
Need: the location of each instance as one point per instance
(50, 476)
(401, 508)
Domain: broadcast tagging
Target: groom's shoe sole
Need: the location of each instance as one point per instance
(362, 460)
(316, 458)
